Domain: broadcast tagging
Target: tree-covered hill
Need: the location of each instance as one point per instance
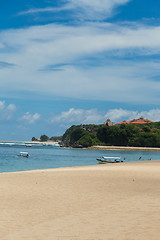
(146, 135)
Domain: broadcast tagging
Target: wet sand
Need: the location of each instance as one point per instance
(103, 202)
(121, 148)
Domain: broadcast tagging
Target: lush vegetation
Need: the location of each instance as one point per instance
(147, 135)
(56, 138)
(45, 138)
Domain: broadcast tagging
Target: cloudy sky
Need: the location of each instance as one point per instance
(65, 62)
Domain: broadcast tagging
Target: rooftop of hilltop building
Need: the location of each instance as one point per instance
(140, 120)
(108, 122)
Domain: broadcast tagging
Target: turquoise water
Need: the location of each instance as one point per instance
(43, 157)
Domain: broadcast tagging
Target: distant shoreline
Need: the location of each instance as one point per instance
(29, 142)
(122, 148)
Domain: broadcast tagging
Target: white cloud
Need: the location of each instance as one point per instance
(42, 10)
(153, 114)
(6, 112)
(93, 116)
(11, 107)
(2, 105)
(35, 48)
(122, 114)
(96, 9)
(78, 116)
(118, 114)
(30, 118)
(83, 9)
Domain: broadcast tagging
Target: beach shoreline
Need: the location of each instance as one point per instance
(111, 201)
(114, 148)
(122, 148)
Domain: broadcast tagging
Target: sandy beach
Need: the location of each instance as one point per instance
(122, 148)
(103, 202)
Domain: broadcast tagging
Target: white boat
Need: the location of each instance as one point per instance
(23, 154)
(28, 145)
(109, 160)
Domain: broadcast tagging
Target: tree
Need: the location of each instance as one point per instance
(34, 139)
(76, 134)
(102, 133)
(44, 138)
(146, 128)
(85, 140)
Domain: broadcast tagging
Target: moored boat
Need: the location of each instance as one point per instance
(23, 154)
(109, 160)
(28, 145)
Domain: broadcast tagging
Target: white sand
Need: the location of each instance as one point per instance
(122, 148)
(103, 202)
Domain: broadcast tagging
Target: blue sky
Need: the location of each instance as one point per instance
(77, 61)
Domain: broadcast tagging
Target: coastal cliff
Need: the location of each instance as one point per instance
(146, 135)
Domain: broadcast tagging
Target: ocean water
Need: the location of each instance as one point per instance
(51, 156)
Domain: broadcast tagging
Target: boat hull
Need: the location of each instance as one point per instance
(108, 161)
(23, 154)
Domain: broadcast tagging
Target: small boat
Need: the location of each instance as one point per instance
(23, 154)
(28, 145)
(109, 160)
